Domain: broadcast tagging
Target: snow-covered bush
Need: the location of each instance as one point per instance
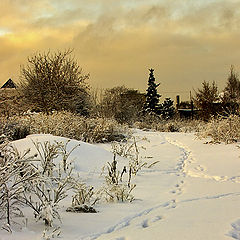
(15, 172)
(84, 197)
(41, 181)
(13, 130)
(44, 193)
(222, 129)
(130, 150)
(73, 126)
(115, 189)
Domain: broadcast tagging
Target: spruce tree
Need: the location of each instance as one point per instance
(232, 90)
(152, 97)
(167, 109)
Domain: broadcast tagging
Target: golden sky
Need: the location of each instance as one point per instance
(116, 41)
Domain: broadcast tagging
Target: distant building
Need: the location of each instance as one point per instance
(9, 84)
(186, 109)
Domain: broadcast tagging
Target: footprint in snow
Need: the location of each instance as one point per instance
(200, 168)
(235, 232)
(147, 222)
(157, 218)
(171, 204)
(178, 190)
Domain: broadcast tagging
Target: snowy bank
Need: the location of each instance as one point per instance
(191, 194)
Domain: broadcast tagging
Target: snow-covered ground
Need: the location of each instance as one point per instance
(193, 193)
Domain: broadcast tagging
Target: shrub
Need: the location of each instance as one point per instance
(11, 102)
(115, 189)
(15, 173)
(12, 130)
(84, 197)
(174, 125)
(222, 129)
(68, 125)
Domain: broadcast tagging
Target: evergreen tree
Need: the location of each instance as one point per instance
(205, 99)
(152, 97)
(167, 109)
(232, 90)
(231, 93)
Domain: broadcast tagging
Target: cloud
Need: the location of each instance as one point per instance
(186, 41)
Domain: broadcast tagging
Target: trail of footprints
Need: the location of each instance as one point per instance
(145, 223)
(148, 219)
(178, 188)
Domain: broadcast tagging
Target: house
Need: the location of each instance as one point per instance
(9, 84)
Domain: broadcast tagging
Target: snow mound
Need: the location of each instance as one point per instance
(87, 157)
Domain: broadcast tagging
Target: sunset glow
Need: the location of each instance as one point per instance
(186, 42)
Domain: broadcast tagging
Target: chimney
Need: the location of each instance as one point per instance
(177, 101)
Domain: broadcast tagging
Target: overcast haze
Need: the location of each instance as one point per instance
(185, 41)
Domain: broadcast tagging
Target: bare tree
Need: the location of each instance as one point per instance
(121, 103)
(54, 81)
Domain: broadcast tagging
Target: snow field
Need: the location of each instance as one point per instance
(191, 194)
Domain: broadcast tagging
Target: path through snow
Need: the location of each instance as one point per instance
(187, 195)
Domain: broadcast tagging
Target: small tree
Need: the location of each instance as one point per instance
(231, 93)
(54, 81)
(167, 109)
(232, 90)
(206, 99)
(152, 97)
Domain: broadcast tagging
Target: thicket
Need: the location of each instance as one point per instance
(221, 129)
(12, 103)
(171, 125)
(65, 124)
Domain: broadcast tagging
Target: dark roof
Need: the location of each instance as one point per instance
(9, 84)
